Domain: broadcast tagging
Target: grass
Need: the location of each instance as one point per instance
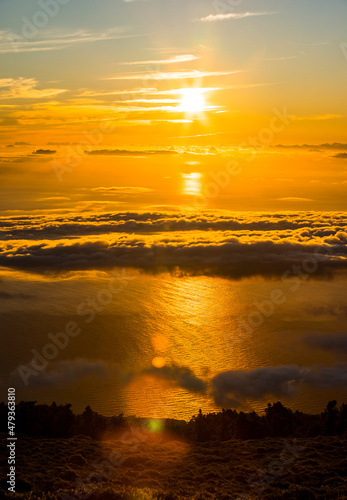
(143, 467)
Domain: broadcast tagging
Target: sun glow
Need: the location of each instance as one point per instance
(192, 100)
(192, 184)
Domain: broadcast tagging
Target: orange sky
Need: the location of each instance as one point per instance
(192, 87)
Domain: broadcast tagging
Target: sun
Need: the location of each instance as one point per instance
(192, 100)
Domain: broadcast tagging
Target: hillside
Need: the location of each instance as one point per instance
(157, 469)
(281, 454)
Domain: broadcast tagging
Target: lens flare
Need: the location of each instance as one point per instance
(158, 362)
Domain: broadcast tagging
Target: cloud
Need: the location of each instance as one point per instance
(315, 225)
(25, 88)
(66, 372)
(14, 296)
(327, 377)
(336, 342)
(221, 244)
(60, 143)
(44, 152)
(24, 159)
(226, 256)
(182, 376)
(18, 144)
(315, 117)
(341, 156)
(122, 190)
(293, 198)
(69, 372)
(171, 60)
(152, 101)
(121, 152)
(333, 310)
(229, 388)
(285, 58)
(232, 387)
(11, 43)
(309, 44)
(155, 92)
(334, 145)
(54, 198)
(143, 91)
(232, 15)
(160, 120)
(174, 75)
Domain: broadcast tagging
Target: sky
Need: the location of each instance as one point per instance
(67, 66)
(196, 104)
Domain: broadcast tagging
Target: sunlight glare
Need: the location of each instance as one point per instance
(192, 184)
(192, 100)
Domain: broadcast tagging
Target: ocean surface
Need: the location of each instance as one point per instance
(156, 342)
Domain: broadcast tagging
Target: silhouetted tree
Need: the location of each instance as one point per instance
(58, 421)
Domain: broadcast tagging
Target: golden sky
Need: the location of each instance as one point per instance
(120, 104)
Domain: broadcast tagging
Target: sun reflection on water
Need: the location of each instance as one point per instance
(192, 184)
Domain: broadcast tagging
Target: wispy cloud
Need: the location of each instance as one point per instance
(122, 190)
(232, 15)
(171, 60)
(293, 198)
(120, 152)
(53, 198)
(284, 58)
(174, 75)
(315, 117)
(11, 42)
(93, 93)
(25, 88)
(156, 92)
(152, 101)
(314, 44)
(160, 120)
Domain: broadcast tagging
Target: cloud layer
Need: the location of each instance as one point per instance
(225, 244)
(64, 373)
(336, 343)
(232, 387)
(228, 389)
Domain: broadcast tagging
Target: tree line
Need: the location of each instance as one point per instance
(59, 421)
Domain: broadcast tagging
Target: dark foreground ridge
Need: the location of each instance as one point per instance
(226, 455)
(58, 421)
